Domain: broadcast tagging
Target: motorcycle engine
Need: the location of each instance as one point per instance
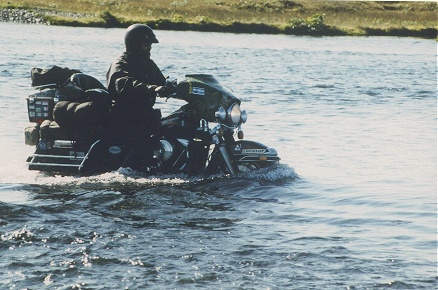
(165, 151)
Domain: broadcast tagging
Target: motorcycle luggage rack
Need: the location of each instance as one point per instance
(61, 163)
(47, 86)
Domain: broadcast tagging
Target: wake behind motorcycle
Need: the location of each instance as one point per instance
(203, 137)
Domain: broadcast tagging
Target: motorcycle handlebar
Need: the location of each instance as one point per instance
(168, 90)
(162, 92)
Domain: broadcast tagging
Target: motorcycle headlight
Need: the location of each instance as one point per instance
(235, 114)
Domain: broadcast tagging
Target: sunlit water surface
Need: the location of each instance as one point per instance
(352, 205)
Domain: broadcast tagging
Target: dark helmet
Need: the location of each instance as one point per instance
(137, 34)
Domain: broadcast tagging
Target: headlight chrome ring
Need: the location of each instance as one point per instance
(221, 115)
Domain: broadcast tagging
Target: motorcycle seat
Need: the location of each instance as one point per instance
(86, 82)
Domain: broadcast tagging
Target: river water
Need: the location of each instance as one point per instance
(352, 206)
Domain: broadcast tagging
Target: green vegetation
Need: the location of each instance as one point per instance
(301, 17)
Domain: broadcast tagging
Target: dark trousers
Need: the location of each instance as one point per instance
(138, 132)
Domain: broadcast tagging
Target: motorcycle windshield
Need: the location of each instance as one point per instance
(205, 95)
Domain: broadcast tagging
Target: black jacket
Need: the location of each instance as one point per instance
(131, 83)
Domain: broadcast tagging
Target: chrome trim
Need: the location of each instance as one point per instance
(58, 156)
(79, 160)
(183, 142)
(221, 115)
(86, 155)
(56, 165)
(63, 144)
(244, 116)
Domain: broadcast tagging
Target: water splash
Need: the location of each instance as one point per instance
(113, 179)
(278, 173)
(125, 177)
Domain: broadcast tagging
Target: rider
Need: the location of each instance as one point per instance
(134, 80)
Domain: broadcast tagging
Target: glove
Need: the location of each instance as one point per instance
(147, 94)
(165, 91)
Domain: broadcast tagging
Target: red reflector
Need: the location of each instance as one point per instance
(240, 135)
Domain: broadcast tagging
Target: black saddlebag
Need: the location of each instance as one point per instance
(73, 114)
(79, 121)
(50, 130)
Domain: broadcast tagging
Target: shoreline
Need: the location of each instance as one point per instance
(312, 27)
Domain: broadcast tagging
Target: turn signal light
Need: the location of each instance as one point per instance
(240, 134)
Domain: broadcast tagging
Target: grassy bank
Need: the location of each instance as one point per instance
(253, 16)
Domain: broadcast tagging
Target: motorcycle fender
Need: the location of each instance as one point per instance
(252, 151)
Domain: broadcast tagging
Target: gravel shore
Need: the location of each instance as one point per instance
(22, 16)
(37, 16)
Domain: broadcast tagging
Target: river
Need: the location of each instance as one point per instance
(353, 204)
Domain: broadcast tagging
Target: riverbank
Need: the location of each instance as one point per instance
(321, 18)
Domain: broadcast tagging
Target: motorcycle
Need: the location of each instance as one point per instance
(203, 137)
